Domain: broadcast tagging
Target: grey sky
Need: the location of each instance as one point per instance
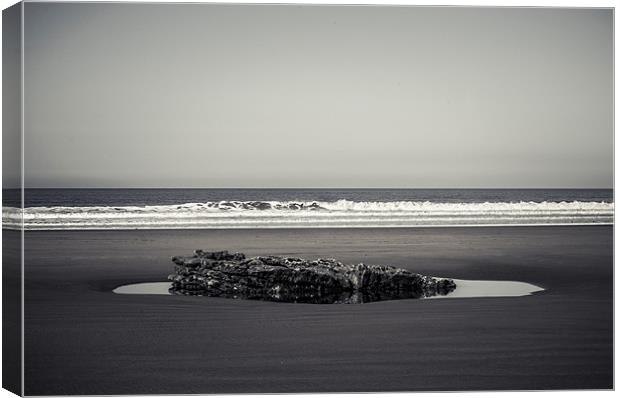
(177, 95)
(11, 97)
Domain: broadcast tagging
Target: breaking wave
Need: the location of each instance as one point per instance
(291, 214)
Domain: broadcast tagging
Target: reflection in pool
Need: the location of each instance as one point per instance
(468, 288)
(145, 288)
(464, 289)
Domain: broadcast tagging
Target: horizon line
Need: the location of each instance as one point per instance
(281, 188)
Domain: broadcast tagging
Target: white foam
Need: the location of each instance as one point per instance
(342, 213)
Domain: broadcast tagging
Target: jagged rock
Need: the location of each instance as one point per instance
(289, 279)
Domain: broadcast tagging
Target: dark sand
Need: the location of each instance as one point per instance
(83, 339)
(11, 311)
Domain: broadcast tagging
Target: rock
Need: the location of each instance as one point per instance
(290, 279)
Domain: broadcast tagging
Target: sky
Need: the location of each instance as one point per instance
(194, 95)
(11, 104)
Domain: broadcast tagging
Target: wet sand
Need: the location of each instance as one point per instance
(83, 339)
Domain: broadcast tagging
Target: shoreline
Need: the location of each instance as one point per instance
(320, 227)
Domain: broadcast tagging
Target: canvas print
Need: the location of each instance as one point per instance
(233, 198)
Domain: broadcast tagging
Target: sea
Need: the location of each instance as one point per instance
(85, 209)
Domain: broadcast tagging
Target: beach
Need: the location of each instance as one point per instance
(463, 156)
(80, 338)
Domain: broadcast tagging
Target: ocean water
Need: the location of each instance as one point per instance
(51, 209)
